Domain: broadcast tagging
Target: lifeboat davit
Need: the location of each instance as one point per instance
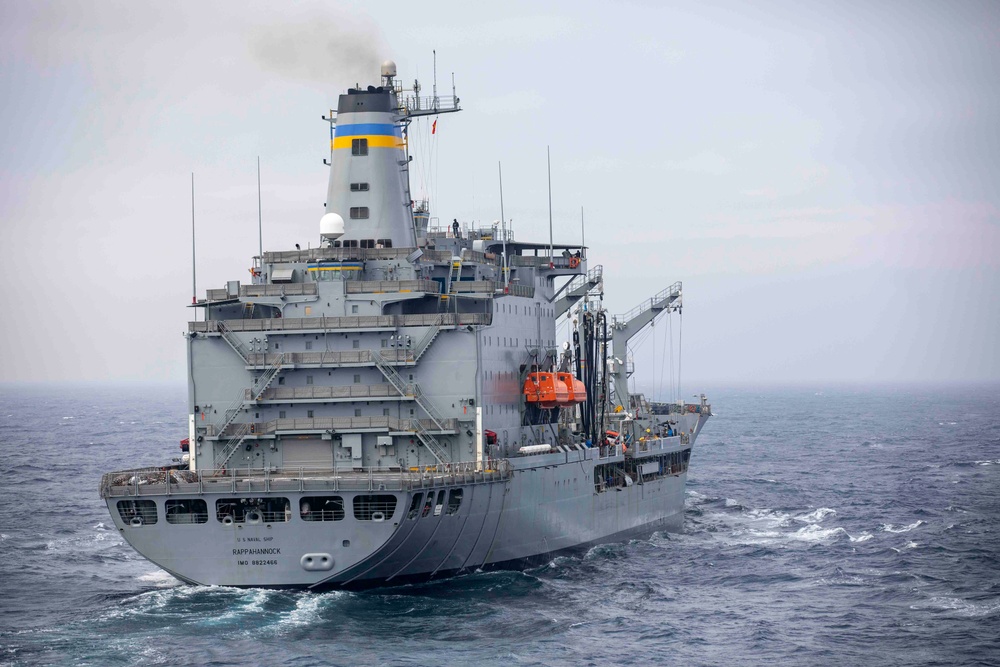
(545, 390)
(576, 392)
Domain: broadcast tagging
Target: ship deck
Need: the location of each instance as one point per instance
(171, 481)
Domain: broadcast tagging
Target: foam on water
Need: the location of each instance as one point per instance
(307, 608)
(160, 578)
(961, 606)
(889, 528)
(816, 516)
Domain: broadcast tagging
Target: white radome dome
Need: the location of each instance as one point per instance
(331, 226)
(388, 68)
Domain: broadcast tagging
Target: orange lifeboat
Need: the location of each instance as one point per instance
(576, 392)
(545, 390)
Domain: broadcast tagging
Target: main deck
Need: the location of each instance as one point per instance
(171, 481)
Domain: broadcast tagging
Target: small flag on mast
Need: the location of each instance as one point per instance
(434, 126)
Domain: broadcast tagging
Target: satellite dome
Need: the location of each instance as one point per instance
(389, 68)
(331, 226)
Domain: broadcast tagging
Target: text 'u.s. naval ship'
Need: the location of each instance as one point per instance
(394, 405)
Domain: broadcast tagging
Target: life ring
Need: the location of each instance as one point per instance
(574, 262)
(692, 408)
(254, 272)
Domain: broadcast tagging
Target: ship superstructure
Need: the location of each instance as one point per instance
(394, 404)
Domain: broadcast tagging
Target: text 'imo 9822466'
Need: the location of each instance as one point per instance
(395, 405)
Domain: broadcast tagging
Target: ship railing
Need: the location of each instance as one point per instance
(656, 444)
(287, 289)
(317, 392)
(218, 295)
(392, 286)
(664, 299)
(352, 254)
(516, 290)
(678, 409)
(326, 253)
(609, 451)
(414, 105)
(339, 424)
(558, 261)
(348, 322)
(165, 482)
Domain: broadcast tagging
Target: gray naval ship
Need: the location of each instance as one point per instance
(394, 405)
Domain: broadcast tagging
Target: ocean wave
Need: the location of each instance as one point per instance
(889, 528)
(961, 606)
(307, 608)
(610, 551)
(815, 533)
(766, 526)
(160, 579)
(247, 601)
(816, 516)
(770, 517)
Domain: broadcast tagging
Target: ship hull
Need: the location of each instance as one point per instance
(547, 505)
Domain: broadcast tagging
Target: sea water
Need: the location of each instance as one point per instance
(824, 525)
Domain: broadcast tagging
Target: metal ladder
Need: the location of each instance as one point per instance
(455, 266)
(233, 444)
(256, 390)
(234, 341)
(267, 377)
(425, 343)
(404, 388)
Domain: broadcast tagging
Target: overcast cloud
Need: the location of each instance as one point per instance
(822, 176)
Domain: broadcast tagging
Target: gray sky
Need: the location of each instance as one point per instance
(822, 176)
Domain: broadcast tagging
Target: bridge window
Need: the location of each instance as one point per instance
(137, 512)
(367, 243)
(374, 507)
(360, 213)
(322, 508)
(384, 243)
(192, 510)
(359, 187)
(359, 147)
